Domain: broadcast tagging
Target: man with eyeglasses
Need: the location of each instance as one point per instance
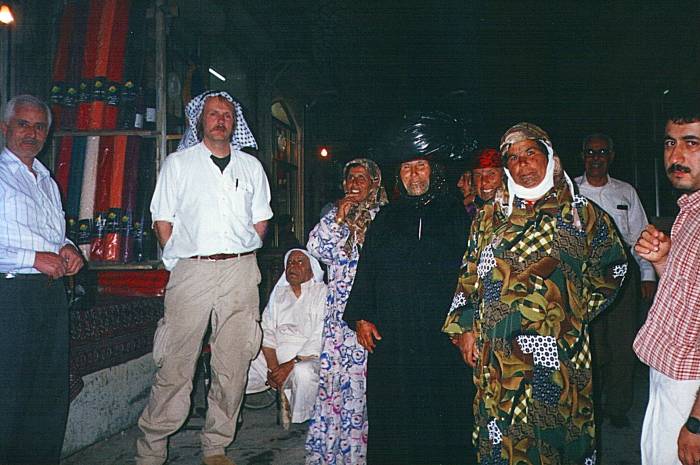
(34, 255)
(613, 332)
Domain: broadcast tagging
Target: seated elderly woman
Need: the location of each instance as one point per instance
(292, 323)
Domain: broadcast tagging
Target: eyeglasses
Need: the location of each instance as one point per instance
(596, 153)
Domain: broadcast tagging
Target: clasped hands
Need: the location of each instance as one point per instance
(276, 376)
(66, 262)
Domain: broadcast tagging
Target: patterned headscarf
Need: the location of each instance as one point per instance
(360, 215)
(241, 137)
(528, 131)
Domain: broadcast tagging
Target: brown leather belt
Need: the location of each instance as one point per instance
(222, 256)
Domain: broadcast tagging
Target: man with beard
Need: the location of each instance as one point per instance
(612, 334)
(539, 267)
(417, 387)
(210, 210)
(668, 341)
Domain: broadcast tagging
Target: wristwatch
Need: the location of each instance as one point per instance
(297, 359)
(693, 425)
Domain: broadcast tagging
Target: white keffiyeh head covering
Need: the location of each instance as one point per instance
(241, 137)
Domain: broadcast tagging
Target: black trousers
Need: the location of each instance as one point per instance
(34, 359)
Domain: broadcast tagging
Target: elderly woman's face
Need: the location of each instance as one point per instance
(527, 163)
(298, 268)
(415, 176)
(357, 183)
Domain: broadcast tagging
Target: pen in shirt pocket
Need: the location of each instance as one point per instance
(236, 183)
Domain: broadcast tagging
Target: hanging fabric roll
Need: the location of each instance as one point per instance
(75, 179)
(113, 234)
(104, 44)
(63, 166)
(133, 65)
(115, 66)
(131, 172)
(87, 86)
(61, 63)
(73, 75)
(87, 194)
(104, 174)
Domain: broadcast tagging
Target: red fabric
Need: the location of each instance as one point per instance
(487, 158)
(104, 44)
(112, 247)
(146, 283)
(63, 166)
(89, 58)
(104, 173)
(668, 341)
(115, 67)
(116, 188)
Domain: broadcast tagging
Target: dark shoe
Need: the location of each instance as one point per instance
(619, 421)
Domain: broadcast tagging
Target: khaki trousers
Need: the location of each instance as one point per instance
(225, 292)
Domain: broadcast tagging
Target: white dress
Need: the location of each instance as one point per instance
(293, 326)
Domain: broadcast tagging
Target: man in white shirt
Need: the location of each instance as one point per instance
(614, 331)
(34, 326)
(292, 324)
(210, 210)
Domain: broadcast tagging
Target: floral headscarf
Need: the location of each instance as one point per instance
(360, 215)
(241, 137)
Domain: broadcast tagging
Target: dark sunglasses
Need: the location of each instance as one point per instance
(598, 153)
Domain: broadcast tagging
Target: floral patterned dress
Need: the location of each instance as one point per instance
(529, 287)
(338, 428)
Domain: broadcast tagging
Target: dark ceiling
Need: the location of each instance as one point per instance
(569, 66)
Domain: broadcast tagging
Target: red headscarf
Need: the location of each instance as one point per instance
(487, 158)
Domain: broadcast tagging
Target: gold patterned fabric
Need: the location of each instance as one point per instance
(530, 284)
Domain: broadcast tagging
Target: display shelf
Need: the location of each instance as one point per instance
(107, 132)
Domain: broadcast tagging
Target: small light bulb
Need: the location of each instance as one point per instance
(6, 15)
(324, 152)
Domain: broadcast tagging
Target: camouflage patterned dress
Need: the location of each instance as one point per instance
(530, 285)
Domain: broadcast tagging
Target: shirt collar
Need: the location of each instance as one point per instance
(585, 181)
(14, 163)
(690, 201)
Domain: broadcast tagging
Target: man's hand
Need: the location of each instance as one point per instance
(50, 264)
(278, 375)
(74, 261)
(366, 334)
(466, 342)
(648, 290)
(261, 228)
(653, 246)
(688, 447)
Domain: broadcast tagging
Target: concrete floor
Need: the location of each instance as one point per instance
(261, 441)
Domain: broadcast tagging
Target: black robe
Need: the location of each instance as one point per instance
(419, 390)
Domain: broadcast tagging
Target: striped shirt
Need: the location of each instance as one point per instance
(31, 217)
(669, 341)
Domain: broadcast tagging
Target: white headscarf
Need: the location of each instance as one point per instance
(241, 137)
(315, 269)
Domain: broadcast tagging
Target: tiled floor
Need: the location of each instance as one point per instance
(262, 442)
